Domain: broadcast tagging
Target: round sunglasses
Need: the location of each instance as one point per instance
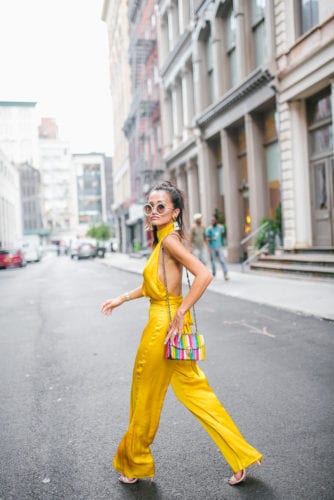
(160, 208)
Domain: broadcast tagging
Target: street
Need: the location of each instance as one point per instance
(65, 383)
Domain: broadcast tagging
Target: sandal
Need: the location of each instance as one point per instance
(127, 480)
(233, 480)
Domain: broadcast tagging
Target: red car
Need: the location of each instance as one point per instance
(12, 258)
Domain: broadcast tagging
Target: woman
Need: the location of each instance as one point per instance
(153, 373)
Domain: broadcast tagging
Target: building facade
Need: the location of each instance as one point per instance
(30, 194)
(142, 126)
(10, 203)
(18, 131)
(247, 113)
(91, 189)
(18, 146)
(58, 183)
(219, 110)
(305, 104)
(115, 15)
(109, 181)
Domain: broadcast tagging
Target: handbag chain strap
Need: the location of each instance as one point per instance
(167, 294)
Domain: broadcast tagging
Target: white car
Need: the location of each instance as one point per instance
(32, 251)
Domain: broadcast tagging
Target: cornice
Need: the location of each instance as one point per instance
(256, 80)
(180, 151)
(182, 42)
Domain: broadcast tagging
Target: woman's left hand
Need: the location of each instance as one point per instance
(175, 326)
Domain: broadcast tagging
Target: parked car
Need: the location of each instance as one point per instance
(12, 258)
(32, 251)
(82, 249)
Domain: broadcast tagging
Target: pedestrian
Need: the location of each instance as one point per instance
(214, 234)
(198, 238)
(152, 372)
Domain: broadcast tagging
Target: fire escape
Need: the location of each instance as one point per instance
(142, 125)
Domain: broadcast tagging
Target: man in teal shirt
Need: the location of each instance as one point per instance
(214, 235)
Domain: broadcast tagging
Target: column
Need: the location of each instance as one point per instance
(270, 32)
(193, 191)
(181, 178)
(257, 172)
(167, 120)
(163, 47)
(218, 57)
(181, 6)
(242, 50)
(299, 176)
(184, 15)
(173, 25)
(233, 208)
(199, 78)
(187, 100)
(177, 113)
(207, 176)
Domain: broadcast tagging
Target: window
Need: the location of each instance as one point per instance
(231, 46)
(319, 117)
(309, 14)
(258, 30)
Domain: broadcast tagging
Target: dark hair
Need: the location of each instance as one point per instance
(177, 201)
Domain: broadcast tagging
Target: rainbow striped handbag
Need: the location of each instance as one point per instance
(187, 346)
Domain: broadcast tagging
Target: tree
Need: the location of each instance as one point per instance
(100, 232)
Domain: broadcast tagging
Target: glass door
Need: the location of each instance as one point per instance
(323, 209)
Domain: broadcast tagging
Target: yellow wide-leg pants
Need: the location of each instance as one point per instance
(152, 375)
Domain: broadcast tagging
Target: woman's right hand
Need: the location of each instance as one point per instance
(109, 305)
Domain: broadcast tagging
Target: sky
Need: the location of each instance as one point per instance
(55, 52)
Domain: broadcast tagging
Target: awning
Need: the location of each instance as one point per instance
(134, 221)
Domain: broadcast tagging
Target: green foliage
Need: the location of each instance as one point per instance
(219, 216)
(100, 232)
(267, 233)
(278, 217)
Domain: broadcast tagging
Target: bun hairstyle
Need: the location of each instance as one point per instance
(178, 202)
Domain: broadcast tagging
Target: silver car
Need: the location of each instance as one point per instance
(83, 250)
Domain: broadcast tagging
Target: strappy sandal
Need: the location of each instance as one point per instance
(127, 480)
(233, 480)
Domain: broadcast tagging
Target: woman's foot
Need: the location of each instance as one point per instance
(127, 480)
(238, 477)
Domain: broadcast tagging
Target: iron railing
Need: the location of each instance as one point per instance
(255, 255)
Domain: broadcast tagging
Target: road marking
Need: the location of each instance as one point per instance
(252, 329)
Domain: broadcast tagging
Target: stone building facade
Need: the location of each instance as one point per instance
(115, 15)
(246, 95)
(305, 105)
(58, 189)
(90, 175)
(142, 126)
(10, 203)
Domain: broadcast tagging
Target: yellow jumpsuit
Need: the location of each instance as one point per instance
(152, 375)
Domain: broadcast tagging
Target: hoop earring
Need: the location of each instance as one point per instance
(148, 226)
(176, 224)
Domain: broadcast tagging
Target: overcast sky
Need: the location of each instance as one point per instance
(55, 52)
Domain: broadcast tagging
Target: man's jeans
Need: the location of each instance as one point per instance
(218, 253)
(200, 254)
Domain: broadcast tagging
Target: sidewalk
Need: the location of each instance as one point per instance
(302, 295)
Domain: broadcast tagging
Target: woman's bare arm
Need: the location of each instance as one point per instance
(109, 305)
(202, 278)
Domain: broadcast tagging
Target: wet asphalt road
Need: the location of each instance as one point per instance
(65, 382)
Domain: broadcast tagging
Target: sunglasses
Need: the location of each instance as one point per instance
(160, 208)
